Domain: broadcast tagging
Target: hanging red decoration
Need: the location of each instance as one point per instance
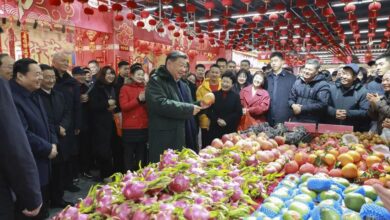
(374, 6)
(280, 7)
(140, 24)
(183, 25)
(301, 3)
(331, 19)
(160, 30)
(241, 21)
(179, 19)
(287, 15)
(209, 5)
(176, 34)
(165, 21)
(68, 1)
(131, 4)
(327, 12)
(103, 8)
(256, 18)
(83, 1)
(144, 14)
(227, 3)
(247, 2)
(171, 27)
(307, 12)
(321, 3)
(55, 2)
(284, 32)
(350, 8)
(152, 22)
(262, 10)
(190, 8)
(119, 18)
(371, 35)
(176, 10)
(130, 16)
(117, 7)
(273, 17)
(88, 11)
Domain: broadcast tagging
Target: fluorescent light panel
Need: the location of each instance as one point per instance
(366, 31)
(365, 20)
(340, 4)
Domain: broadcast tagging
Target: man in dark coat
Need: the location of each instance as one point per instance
(382, 64)
(278, 84)
(18, 171)
(58, 117)
(347, 102)
(168, 112)
(310, 94)
(70, 88)
(26, 79)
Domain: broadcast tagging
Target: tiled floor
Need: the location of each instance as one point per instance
(85, 185)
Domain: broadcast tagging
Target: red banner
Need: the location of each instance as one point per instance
(117, 60)
(25, 41)
(11, 43)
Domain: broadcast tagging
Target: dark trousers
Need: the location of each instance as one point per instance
(57, 182)
(43, 213)
(85, 148)
(135, 149)
(205, 137)
(71, 170)
(6, 203)
(117, 153)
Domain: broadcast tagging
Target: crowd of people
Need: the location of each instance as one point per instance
(57, 125)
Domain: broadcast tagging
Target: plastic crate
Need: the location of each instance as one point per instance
(328, 128)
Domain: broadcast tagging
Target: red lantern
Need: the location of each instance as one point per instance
(256, 18)
(103, 8)
(321, 3)
(83, 1)
(331, 19)
(327, 12)
(262, 10)
(227, 3)
(130, 16)
(374, 6)
(280, 7)
(301, 3)
(176, 10)
(241, 21)
(183, 25)
(68, 1)
(144, 14)
(152, 22)
(117, 7)
(55, 2)
(160, 30)
(307, 12)
(165, 21)
(171, 27)
(140, 24)
(191, 8)
(247, 2)
(350, 8)
(209, 5)
(176, 34)
(273, 17)
(284, 32)
(287, 15)
(119, 18)
(131, 4)
(371, 35)
(179, 19)
(88, 11)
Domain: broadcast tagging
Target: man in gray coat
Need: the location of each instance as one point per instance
(167, 106)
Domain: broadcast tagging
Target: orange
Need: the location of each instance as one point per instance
(345, 159)
(350, 171)
(379, 154)
(355, 155)
(329, 159)
(361, 150)
(300, 158)
(312, 158)
(372, 159)
(334, 152)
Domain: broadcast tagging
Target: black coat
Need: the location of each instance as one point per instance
(34, 120)
(354, 101)
(18, 171)
(102, 126)
(118, 85)
(313, 97)
(279, 88)
(85, 118)
(227, 108)
(58, 114)
(70, 88)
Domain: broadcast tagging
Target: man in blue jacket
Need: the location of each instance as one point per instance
(26, 79)
(279, 83)
(18, 171)
(347, 103)
(310, 94)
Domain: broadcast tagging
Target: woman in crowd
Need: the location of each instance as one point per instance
(243, 80)
(380, 105)
(362, 75)
(226, 112)
(255, 100)
(134, 119)
(191, 82)
(102, 106)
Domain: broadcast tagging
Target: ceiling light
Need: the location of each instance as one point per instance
(365, 20)
(256, 13)
(366, 31)
(340, 4)
(154, 8)
(204, 20)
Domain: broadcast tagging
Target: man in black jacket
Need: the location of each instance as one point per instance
(279, 83)
(58, 117)
(347, 103)
(18, 171)
(70, 88)
(26, 80)
(310, 94)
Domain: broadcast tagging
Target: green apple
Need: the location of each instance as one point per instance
(329, 214)
(327, 202)
(291, 215)
(305, 177)
(309, 192)
(300, 207)
(368, 200)
(351, 188)
(289, 184)
(351, 216)
(305, 198)
(370, 192)
(342, 181)
(329, 195)
(275, 200)
(271, 207)
(281, 193)
(379, 202)
(354, 201)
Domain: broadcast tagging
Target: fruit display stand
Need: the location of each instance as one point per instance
(230, 178)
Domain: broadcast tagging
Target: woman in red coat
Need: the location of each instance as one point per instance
(134, 119)
(255, 100)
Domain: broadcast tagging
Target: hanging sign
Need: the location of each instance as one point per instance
(25, 44)
(11, 42)
(117, 60)
(123, 47)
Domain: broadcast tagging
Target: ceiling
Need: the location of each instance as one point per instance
(294, 26)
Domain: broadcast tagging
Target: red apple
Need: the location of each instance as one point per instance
(226, 137)
(291, 167)
(217, 143)
(280, 140)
